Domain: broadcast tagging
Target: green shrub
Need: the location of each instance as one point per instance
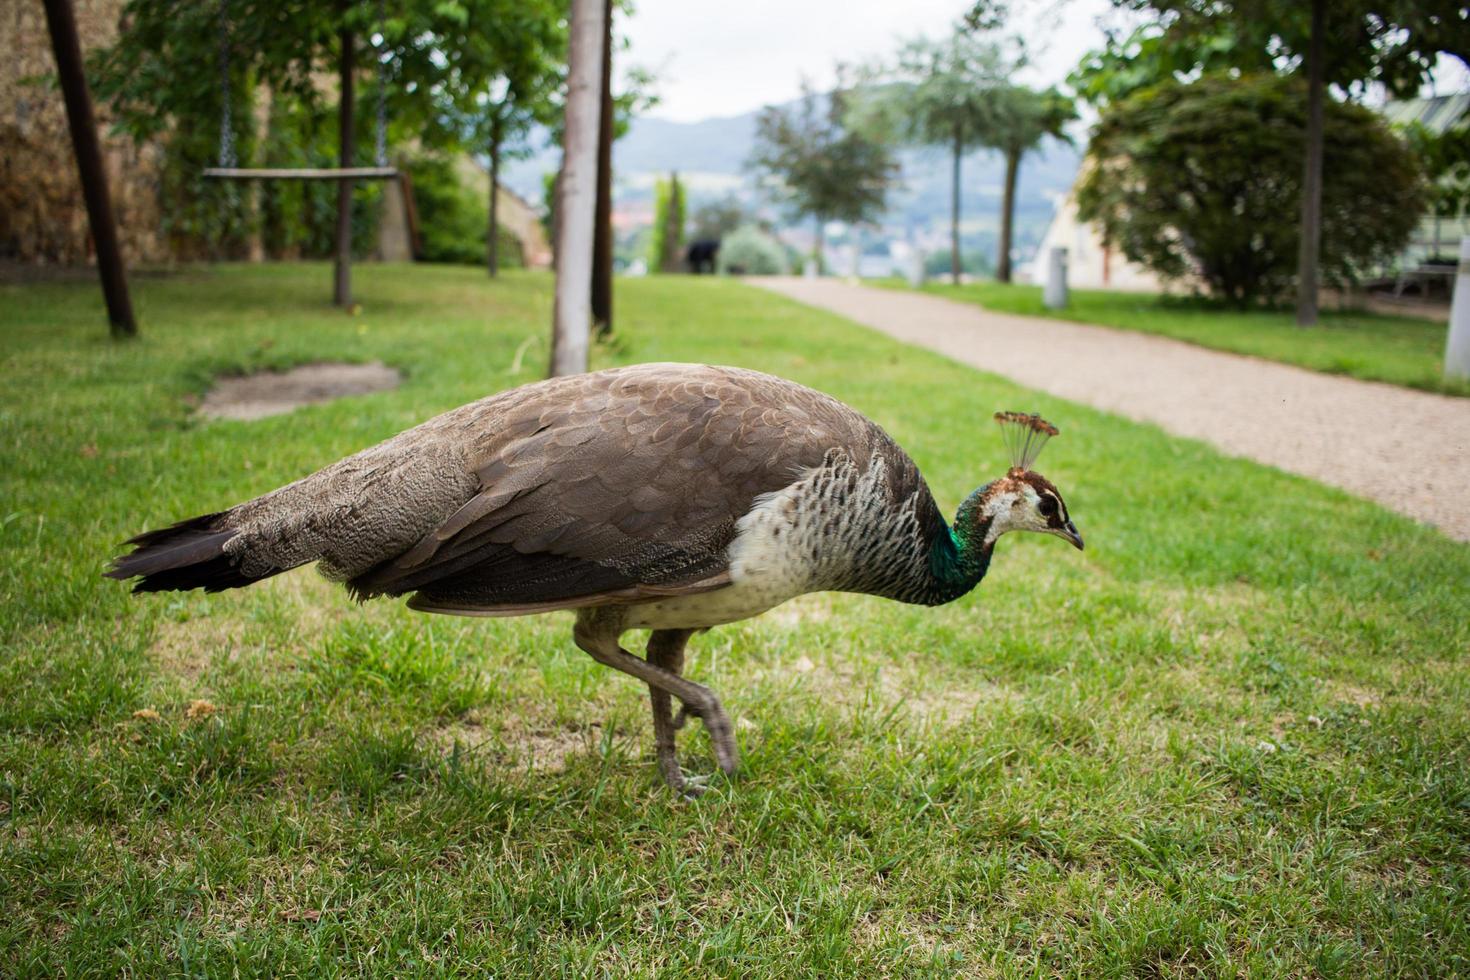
(973, 263)
(749, 251)
(452, 216)
(1204, 179)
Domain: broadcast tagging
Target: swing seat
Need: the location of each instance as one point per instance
(297, 173)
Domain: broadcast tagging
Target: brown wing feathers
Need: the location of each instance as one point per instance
(636, 485)
(599, 487)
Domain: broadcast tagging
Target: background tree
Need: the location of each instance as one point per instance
(482, 73)
(1149, 55)
(815, 166)
(1348, 43)
(668, 225)
(940, 93)
(1020, 119)
(715, 219)
(577, 190)
(1202, 179)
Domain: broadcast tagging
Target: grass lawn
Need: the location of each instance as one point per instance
(1396, 349)
(1232, 737)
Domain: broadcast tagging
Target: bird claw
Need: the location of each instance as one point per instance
(693, 787)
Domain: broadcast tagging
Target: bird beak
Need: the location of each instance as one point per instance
(1068, 532)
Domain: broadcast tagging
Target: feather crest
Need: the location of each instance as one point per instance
(1025, 435)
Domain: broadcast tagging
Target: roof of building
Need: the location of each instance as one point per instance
(1437, 113)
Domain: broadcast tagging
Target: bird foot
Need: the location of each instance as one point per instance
(721, 732)
(692, 787)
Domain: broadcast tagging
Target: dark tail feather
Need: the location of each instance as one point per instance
(186, 555)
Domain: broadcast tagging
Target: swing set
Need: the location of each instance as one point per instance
(229, 168)
(344, 174)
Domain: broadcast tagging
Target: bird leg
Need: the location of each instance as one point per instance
(596, 635)
(666, 650)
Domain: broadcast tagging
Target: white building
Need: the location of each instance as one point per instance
(1090, 264)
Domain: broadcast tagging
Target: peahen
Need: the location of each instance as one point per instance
(670, 497)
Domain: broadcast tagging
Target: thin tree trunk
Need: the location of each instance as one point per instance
(62, 24)
(817, 244)
(602, 242)
(492, 232)
(1311, 229)
(346, 150)
(577, 203)
(1007, 213)
(954, 210)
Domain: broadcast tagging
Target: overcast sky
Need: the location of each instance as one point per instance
(726, 58)
(732, 56)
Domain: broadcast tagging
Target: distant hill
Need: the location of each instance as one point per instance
(710, 156)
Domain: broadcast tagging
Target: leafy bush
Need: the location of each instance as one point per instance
(1204, 178)
(974, 263)
(453, 218)
(749, 251)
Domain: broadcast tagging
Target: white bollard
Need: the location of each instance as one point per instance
(1054, 297)
(1457, 346)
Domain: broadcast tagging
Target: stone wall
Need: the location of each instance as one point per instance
(42, 216)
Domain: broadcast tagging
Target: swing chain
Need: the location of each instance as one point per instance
(380, 155)
(227, 156)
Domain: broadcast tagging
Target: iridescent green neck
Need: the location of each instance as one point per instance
(960, 555)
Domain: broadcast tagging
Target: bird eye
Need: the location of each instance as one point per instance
(1048, 507)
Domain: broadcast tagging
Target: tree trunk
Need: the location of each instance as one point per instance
(954, 210)
(62, 24)
(346, 150)
(1007, 213)
(602, 240)
(817, 243)
(492, 230)
(577, 203)
(1311, 229)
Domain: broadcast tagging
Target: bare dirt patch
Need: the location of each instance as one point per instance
(523, 739)
(266, 393)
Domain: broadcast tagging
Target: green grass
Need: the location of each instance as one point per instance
(1398, 350)
(1230, 738)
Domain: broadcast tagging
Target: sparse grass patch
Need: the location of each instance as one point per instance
(1229, 738)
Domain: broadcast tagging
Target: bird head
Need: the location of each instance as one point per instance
(1023, 500)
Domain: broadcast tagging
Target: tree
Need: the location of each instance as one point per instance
(483, 73)
(937, 93)
(1020, 119)
(602, 241)
(816, 166)
(577, 191)
(1150, 54)
(1201, 178)
(668, 225)
(715, 219)
(1347, 43)
(61, 23)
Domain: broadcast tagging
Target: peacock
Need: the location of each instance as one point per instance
(665, 497)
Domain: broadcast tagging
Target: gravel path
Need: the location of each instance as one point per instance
(1407, 450)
